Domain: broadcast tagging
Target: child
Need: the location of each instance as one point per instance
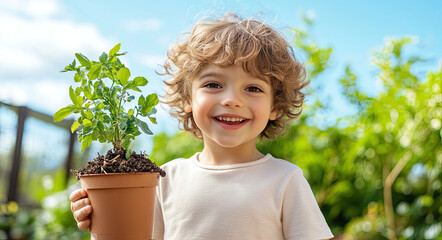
(232, 81)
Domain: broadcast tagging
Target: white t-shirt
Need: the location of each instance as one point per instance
(265, 199)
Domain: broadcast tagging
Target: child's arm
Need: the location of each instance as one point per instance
(81, 208)
(302, 218)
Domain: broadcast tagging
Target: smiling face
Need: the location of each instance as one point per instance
(230, 106)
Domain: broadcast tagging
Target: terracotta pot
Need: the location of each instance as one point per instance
(123, 204)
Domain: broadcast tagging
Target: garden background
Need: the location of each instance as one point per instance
(369, 140)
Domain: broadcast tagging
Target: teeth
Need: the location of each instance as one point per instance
(229, 119)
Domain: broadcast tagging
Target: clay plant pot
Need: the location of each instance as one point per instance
(123, 204)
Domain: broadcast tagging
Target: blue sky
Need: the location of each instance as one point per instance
(39, 37)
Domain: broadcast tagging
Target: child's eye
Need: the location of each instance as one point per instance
(253, 89)
(212, 85)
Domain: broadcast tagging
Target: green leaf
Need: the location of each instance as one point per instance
(123, 75)
(99, 89)
(131, 112)
(74, 126)
(128, 153)
(87, 122)
(74, 97)
(95, 134)
(87, 140)
(153, 120)
(138, 81)
(152, 111)
(143, 126)
(89, 115)
(80, 100)
(94, 72)
(123, 125)
(151, 100)
(136, 89)
(77, 77)
(106, 119)
(78, 91)
(149, 103)
(87, 92)
(100, 126)
(83, 60)
(141, 100)
(63, 113)
(120, 54)
(115, 49)
(103, 57)
(86, 130)
(126, 143)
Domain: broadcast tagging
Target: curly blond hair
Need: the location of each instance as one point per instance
(258, 48)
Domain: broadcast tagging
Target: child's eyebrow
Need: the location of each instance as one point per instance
(210, 74)
(220, 75)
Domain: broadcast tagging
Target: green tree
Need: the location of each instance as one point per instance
(401, 131)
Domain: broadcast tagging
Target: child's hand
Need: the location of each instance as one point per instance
(81, 208)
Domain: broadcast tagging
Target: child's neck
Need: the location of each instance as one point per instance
(216, 155)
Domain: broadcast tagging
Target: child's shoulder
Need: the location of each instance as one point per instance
(283, 165)
(177, 163)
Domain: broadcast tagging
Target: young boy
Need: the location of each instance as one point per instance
(232, 81)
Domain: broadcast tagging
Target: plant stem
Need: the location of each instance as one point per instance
(118, 123)
(117, 140)
(113, 78)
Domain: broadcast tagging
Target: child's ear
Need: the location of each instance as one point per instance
(273, 114)
(188, 108)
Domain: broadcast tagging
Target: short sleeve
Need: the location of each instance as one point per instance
(158, 233)
(301, 216)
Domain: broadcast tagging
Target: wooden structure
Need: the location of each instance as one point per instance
(24, 113)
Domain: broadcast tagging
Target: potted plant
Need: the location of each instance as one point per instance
(121, 185)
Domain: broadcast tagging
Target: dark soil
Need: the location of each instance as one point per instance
(116, 162)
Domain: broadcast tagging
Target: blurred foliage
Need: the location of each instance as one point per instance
(180, 145)
(376, 174)
(51, 219)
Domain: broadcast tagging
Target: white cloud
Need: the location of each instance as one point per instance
(38, 40)
(43, 95)
(34, 8)
(152, 61)
(14, 93)
(150, 24)
(39, 8)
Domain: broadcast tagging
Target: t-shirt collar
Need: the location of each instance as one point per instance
(227, 167)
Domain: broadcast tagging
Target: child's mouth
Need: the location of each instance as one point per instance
(230, 120)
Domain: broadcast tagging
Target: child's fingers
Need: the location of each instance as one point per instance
(78, 194)
(84, 225)
(83, 213)
(79, 204)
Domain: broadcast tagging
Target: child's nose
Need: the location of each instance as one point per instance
(232, 99)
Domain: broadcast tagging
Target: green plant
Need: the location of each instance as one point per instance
(104, 90)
